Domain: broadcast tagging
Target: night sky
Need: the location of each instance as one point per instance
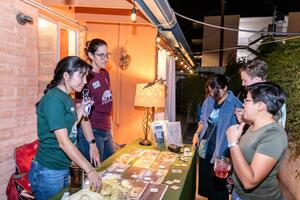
(197, 9)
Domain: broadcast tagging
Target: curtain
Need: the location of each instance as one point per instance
(171, 89)
(166, 71)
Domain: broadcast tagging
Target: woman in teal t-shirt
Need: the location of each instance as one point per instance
(57, 120)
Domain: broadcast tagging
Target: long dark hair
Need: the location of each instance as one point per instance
(69, 64)
(217, 82)
(92, 46)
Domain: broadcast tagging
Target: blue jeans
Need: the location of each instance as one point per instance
(45, 182)
(234, 196)
(104, 143)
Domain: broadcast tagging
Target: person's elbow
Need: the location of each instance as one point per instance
(249, 185)
(63, 143)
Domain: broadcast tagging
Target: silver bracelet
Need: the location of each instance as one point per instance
(233, 144)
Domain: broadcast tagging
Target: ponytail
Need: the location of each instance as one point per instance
(69, 64)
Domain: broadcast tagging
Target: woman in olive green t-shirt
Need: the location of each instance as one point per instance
(256, 156)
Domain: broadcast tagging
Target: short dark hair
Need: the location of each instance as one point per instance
(256, 68)
(269, 93)
(217, 82)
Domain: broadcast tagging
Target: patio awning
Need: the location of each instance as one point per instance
(163, 17)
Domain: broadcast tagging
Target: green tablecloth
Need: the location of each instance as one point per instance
(187, 177)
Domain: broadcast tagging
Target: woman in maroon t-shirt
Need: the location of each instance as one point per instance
(100, 117)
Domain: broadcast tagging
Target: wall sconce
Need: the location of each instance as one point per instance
(133, 13)
(23, 19)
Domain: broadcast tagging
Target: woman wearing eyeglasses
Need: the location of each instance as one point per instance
(217, 115)
(100, 146)
(257, 155)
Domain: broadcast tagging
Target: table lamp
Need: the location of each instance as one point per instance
(149, 96)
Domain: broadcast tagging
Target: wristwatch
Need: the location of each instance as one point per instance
(233, 144)
(93, 141)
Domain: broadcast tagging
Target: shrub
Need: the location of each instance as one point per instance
(284, 69)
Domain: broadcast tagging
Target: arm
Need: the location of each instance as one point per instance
(88, 133)
(200, 123)
(196, 135)
(73, 153)
(261, 165)
(79, 111)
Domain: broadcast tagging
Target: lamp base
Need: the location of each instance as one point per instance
(145, 142)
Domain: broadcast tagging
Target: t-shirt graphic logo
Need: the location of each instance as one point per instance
(106, 97)
(72, 109)
(73, 133)
(96, 84)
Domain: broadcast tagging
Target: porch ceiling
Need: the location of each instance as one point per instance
(109, 11)
(115, 4)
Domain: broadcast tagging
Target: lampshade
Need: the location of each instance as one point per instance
(150, 96)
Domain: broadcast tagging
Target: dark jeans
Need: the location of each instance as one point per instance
(45, 182)
(104, 143)
(209, 185)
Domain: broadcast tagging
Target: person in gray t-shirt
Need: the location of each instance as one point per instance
(257, 155)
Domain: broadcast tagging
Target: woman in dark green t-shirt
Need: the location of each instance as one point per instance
(57, 120)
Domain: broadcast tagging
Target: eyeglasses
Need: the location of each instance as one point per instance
(103, 55)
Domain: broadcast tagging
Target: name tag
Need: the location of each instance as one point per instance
(96, 84)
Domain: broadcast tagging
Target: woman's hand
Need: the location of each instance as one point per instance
(86, 106)
(94, 155)
(196, 135)
(234, 132)
(95, 181)
(239, 113)
(83, 108)
(195, 139)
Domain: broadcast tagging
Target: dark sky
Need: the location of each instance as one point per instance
(197, 9)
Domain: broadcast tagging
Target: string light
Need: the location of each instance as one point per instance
(158, 39)
(133, 13)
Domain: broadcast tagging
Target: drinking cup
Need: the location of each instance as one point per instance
(221, 167)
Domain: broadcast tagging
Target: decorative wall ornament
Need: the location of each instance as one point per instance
(124, 60)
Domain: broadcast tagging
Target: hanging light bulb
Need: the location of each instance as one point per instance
(157, 39)
(176, 58)
(181, 63)
(133, 13)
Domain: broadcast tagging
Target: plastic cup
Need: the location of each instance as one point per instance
(221, 167)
